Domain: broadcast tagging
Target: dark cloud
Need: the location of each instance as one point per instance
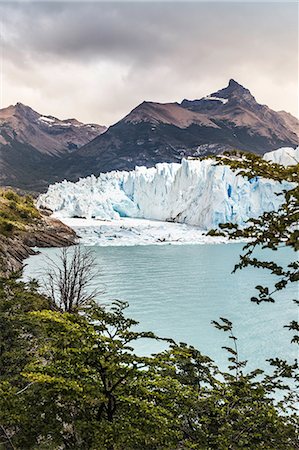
(97, 60)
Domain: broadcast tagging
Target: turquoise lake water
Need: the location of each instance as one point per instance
(177, 290)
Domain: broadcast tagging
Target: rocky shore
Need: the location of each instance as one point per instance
(47, 232)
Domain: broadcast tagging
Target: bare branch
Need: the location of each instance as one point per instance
(69, 281)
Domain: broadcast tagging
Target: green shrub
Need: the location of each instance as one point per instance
(215, 232)
(13, 205)
(17, 209)
(10, 195)
(6, 227)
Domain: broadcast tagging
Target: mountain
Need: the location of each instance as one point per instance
(37, 150)
(234, 107)
(195, 192)
(30, 142)
(153, 132)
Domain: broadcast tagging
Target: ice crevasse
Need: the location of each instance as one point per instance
(196, 192)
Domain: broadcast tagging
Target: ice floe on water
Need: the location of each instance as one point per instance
(128, 231)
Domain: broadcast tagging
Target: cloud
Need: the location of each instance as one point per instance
(96, 61)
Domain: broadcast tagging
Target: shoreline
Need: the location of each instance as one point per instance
(47, 232)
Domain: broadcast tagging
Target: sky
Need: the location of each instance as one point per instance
(96, 61)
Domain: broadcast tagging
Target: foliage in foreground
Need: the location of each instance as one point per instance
(73, 381)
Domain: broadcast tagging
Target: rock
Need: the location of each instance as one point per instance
(48, 232)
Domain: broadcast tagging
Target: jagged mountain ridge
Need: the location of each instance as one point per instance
(47, 134)
(153, 132)
(37, 150)
(236, 106)
(30, 143)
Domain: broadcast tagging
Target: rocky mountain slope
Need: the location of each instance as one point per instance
(234, 107)
(153, 132)
(30, 142)
(37, 150)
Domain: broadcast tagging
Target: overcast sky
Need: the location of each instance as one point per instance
(96, 61)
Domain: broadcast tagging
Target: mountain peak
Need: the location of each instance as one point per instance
(18, 111)
(235, 90)
(21, 107)
(234, 93)
(234, 83)
(25, 112)
(45, 134)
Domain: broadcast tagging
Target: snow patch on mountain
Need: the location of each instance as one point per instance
(46, 119)
(222, 100)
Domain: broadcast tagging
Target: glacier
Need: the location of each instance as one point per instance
(286, 156)
(193, 192)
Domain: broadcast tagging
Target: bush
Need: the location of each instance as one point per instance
(214, 232)
(11, 195)
(6, 227)
(19, 211)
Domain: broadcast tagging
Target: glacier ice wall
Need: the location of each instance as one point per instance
(193, 192)
(287, 156)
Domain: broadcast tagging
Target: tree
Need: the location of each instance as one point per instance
(87, 389)
(68, 282)
(18, 345)
(83, 386)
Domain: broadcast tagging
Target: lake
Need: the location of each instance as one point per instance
(177, 290)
